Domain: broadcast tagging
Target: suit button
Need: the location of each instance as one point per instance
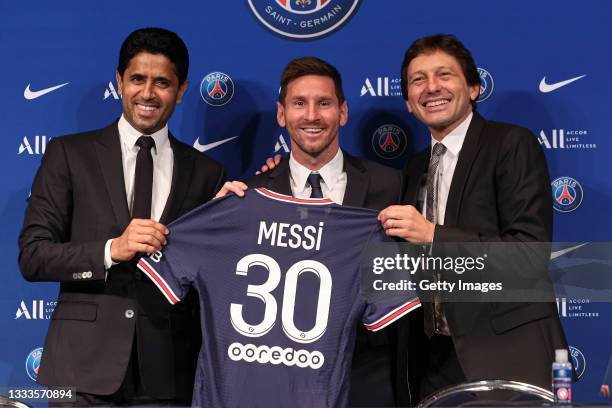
(129, 313)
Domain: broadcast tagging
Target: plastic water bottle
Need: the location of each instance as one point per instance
(562, 378)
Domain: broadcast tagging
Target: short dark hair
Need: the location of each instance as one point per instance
(441, 42)
(155, 41)
(303, 66)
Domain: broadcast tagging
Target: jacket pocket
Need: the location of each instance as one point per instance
(85, 311)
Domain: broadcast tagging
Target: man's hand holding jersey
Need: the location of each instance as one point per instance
(406, 222)
(140, 236)
(401, 221)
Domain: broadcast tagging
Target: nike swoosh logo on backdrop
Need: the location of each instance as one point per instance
(545, 88)
(205, 147)
(29, 94)
(562, 252)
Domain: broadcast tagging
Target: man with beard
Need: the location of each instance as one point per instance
(312, 107)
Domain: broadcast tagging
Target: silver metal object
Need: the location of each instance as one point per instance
(6, 402)
(487, 393)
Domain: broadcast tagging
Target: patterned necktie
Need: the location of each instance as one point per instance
(432, 182)
(314, 179)
(435, 320)
(143, 179)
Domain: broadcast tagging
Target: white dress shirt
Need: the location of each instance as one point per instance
(446, 167)
(163, 161)
(333, 183)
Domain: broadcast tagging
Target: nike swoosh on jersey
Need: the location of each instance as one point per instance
(205, 147)
(545, 88)
(562, 252)
(29, 94)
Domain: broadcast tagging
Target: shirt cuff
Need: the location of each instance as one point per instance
(108, 261)
(433, 239)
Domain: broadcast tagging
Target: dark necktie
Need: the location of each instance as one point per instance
(314, 179)
(143, 179)
(435, 320)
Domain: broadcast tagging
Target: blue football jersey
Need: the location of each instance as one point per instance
(280, 296)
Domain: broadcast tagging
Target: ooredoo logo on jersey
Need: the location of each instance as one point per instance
(303, 19)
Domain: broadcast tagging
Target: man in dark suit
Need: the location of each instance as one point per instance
(100, 199)
(312, 107)
(481, 181)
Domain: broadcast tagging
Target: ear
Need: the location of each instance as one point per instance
(474, 92)
(280, 114)
(182, 89)
(119, 83)
(408, 106)
(343, 113)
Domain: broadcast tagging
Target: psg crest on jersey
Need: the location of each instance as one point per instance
(389, 141)
(486, 85)
(567, 194)
(303, 19)
(217, 89)
(33, 362)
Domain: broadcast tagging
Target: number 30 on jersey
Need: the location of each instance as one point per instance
(263, 293)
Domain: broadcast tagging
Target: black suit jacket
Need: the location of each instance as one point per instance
(500, 191)
(77, 203)
(369, 185)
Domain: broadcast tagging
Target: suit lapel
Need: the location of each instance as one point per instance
(414, 176)
(357, 182)
(108, 150)
(181, 174)
(467, 155)
(278, 179)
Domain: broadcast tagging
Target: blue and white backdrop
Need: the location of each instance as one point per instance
(543, 64)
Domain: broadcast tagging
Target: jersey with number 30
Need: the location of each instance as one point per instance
(280, 296)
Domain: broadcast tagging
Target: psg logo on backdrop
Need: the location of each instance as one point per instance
(567, 194)
(217, 89)
(33, 362)
(486, 85)
(303, 19)
(578, 361)
(389, 141)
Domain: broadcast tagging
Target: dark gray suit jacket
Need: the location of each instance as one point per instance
(78, 202)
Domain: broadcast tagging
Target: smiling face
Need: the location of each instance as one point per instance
(149, 90)
(312, 114)
(438, 93)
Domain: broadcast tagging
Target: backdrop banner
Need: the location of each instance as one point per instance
(542, 66)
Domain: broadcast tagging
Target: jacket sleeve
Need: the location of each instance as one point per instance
(46, 252)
